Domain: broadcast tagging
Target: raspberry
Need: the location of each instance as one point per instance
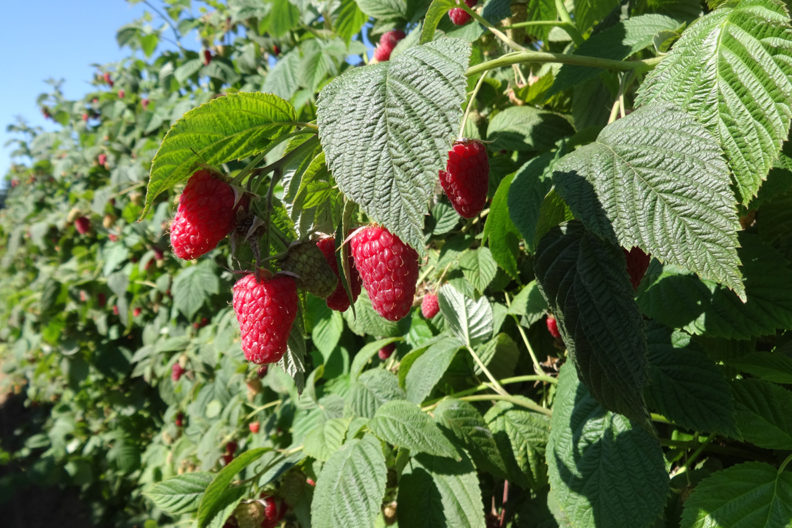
(254, 427)
(338, 300)
(115, 309)
(459, 16)
(275, 50)
(121, 94)
(207, 57)
(637, 264)
(388, 268)
(82, 224)
(429, 305)
(227, 459)
(552, 326)
(144, 103)
(466, 178)
(108, 79)
(386, 351)
(265, 310)
(231, 447)
(274, 510)
(179, 420)
(387, 42)
(314, 275)
(101, 299)
(204, 217)
(136, 312)
(176, 372)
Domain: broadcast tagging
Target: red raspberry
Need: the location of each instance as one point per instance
(274, 510)
(207, 57)
(205, 215)
(113, 237)
(176, 372)
(388, 268)
(466, 178)
(386, 351)
(121, 94)
(387, 42)
(83, 296)
(179, 420)
(254, 427)
(637, 264)
(310, 481)
(429, 305)
(338, 300)
(115, 309)
(136, 311)
(101, 299)
(227, 459)
(276, 50)
(265, 311)
(85, 117)
(144, 103)
(552, 326)
(102, 159)
(108, 79)
(459, 16)
(82, 224)
(231, 448)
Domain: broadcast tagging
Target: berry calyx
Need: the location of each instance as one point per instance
(262, 371)
(459, 16)
(388, 268)
(387, 42)
(204, 217)
(176, 372)
(552, 326)
(466, 177)
(254, 427)
(637, 264)
(338, 300)
(386, 351)
(265, 311)
(429, 305)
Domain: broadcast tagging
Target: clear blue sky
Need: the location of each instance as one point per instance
(57, 39)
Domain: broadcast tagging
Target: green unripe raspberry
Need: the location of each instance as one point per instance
(308, 263)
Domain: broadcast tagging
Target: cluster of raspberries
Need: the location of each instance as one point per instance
(266, 305)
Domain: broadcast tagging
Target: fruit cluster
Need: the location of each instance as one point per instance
(266, 304)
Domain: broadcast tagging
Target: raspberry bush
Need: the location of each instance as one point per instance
(514, 264)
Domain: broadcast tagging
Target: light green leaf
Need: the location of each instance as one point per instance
(349, 19)
(435, 13)
(227, 128)
(321, 442)
(470, 321)
(593, 452)
(386, 130)
(283, 17)
(500, 355)
(748, 495)
(372, 389)
(762, 413)
(589, 12)
(384, 8)
(585, 282)
(365, 354)
(500, 233)
(364, 321)
(350, 488)
(403, 424)
(770, 366)
(478, 267)
(179, 494)
(429, 368)
(732, 69)
(193, 286)
(526, 128)
(656, 180)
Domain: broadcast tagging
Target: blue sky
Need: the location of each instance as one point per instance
(57, 39)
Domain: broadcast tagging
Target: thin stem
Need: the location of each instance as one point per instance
(470, 104)
(539, 57)
(167, 21)
(488, 386)
(495, 31)
(265, 406)
(568, 26)
(496, 386)
(784, 464)
(536, 365)
(522, 401)
(534, 23)
(692, 458)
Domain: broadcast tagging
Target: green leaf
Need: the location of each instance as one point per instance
(478, 267)
(529, 303)
(500, 233)
(429, 368)
(762, 413)
(365, 354)
(701, 307)
(403, 424)
(748, 495)
(526, 128)
(365, 321)
(321, 442)
(283, 17)
(585, 282)
(440, 492)
(589, 12)
(384, 8)
(386, 130)
(227, 128)
(193, 286)
(470, 321)
(603, 471)
(685, 386)
(731, 69)
(216, 496)
(500, 355)
(656, 180)
(435, 13)
(350, 488)
(769, 366)
(179, 494)
(349, 19)
(467, 425)
(282, 78)
(372, 389)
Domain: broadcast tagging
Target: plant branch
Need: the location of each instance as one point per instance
(536, 365)
(495, 31)
(497, 387)
(470, 104)
(539, 57)
(522, 401)
(567, 23)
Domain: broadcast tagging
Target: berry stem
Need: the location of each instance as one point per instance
(538, 57)
(537, 367)
(495, 31)
(522, 401)
(257, 410)
(568, 25)
(470, 104)
(497, 387)
(488, 386)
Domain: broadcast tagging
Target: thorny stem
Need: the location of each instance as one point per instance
(470, 104)
(536, 365)
(539, 57)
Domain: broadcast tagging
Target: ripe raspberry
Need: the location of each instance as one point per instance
(108, 79)
(231, 447)
(204, 217)
(82, 224)
(102, 159)
(338, 300)
(274, 510)
(176, 372)
(314, 275)
(387, 42)
(136, 312)
(310, 481)
(388, 268)
(254, 427)
(265, 311)
(637, 264)
(144, 103)
(179, 420)
(386, 351)
(276, 50)
(429, 305)
(101, 299)
(207, 57)
(115, 309)
(85, 117)
(552, 326)
(458, 15)
(227, 459)
(466, 177)
(121, 94)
